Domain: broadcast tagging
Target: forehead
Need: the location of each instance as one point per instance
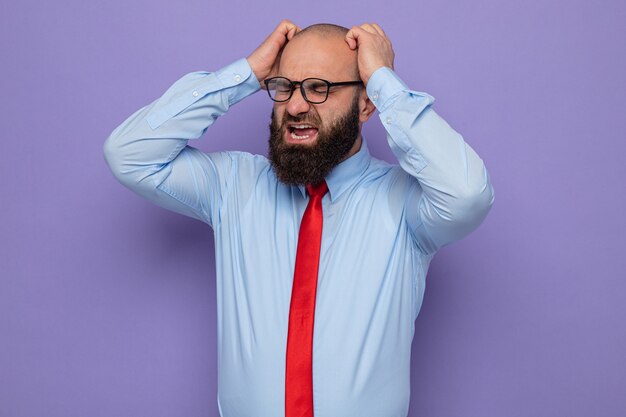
(329, 58)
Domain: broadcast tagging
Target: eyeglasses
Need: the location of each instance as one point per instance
(314, 90)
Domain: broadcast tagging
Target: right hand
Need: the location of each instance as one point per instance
(265, 59)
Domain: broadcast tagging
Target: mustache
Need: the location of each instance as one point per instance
(306, 118)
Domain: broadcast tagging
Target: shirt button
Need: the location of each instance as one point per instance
(375, 96)
(195, 94)
(388, 120)
(237, 77)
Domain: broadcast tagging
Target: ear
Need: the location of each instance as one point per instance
(366, 107)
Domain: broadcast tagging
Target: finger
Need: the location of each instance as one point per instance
(284, 27)
(352, 37)
(291, 33)
(296, 29)
(379, 30)
(283, 32)
(369, 28)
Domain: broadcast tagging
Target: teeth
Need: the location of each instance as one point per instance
(293, 135)
(292, 131)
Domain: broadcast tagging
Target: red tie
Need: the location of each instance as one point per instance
(299, 367)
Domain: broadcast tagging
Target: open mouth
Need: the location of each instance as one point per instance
(301, 131)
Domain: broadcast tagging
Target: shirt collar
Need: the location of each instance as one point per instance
(345, 174)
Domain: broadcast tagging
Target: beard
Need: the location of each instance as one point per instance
(309, 164)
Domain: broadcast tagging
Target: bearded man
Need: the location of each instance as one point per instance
(321, 249)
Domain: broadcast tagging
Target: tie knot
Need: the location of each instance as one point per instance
(317, 190)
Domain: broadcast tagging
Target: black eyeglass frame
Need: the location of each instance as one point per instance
(293, 85)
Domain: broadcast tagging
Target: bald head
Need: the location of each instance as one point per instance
(325, 30)
(321, 47)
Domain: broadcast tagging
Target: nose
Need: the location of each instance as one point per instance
(297, 105)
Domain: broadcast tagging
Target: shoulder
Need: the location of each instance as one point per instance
(384, 181)
(387, 174)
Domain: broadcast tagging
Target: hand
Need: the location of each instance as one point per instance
(374, 49)
(265, 59)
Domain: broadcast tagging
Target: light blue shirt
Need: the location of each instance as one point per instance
(382, 225)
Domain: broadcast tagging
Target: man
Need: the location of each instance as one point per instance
(321, 250)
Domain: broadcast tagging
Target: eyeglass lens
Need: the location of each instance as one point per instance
(281, 89)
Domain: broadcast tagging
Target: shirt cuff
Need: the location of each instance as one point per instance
(384, 87)
(240, 74)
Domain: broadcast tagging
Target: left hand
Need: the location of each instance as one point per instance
(374, 48)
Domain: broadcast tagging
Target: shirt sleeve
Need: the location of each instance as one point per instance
(148, 152)
(453, 193)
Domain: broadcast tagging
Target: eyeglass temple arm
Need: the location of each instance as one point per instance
(346, 83)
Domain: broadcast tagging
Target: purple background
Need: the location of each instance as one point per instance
(107, 303)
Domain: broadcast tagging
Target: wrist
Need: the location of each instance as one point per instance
(375, 68)
(256, 71)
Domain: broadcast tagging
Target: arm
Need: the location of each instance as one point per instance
(148, 152)
(452, 193)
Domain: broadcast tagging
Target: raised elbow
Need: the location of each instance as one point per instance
(118, 156)
(112, 155)
(471, 206)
